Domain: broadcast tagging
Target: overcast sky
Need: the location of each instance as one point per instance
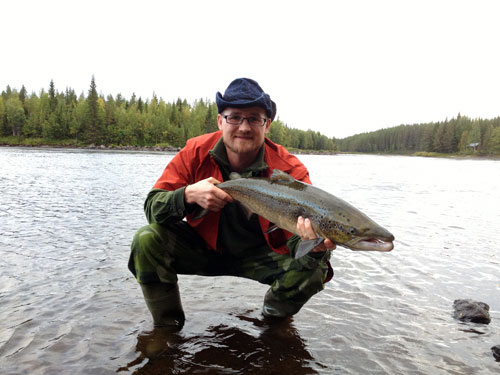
(338, 67)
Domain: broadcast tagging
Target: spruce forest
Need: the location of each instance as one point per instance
(460, 135)
(62, 118)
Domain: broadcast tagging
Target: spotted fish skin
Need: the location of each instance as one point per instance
(281, 199)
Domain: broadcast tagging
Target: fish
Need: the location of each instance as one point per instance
(281, 199)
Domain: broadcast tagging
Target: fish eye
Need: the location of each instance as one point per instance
(353, 231)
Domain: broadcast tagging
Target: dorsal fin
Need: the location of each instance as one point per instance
(280, 176)
(234, 176)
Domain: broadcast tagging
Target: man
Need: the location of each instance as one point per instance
(226, 241)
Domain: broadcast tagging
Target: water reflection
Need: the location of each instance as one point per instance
(277, 348)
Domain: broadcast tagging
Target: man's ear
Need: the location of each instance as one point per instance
(268, 126)
(219, 121)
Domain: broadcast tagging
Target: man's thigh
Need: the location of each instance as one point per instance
(161, 252)
(289, 278)
(260, 264)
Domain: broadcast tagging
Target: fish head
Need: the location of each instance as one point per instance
(373, 238)
(353, 229)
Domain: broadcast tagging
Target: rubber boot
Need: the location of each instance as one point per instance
(274, 308)
(164, 303)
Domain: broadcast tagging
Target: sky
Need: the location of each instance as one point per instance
(337, 67)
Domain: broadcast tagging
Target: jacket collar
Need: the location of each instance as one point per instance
(274, 157)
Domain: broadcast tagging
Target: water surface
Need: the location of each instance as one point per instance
(69, 305)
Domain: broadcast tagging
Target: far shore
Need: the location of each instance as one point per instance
(167, 149)
(156, 148)
(172, 149)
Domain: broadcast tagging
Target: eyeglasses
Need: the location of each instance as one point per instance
(238, 120)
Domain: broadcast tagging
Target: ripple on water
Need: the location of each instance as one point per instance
(69, 305)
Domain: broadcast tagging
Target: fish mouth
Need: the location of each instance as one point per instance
(370, 244)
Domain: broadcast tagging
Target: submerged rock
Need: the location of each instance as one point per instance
(468, 310)
(496, 352)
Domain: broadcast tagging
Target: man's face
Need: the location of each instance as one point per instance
(244, 138)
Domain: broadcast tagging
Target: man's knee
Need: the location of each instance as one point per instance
(148, 252)
(150, 239)
(143, 239)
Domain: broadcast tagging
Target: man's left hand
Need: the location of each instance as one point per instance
(306, 232)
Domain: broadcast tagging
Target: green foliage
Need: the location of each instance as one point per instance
(299, 139)
(448, 137)
(52, 96)
(61, 117)
(4, 130)
(15, 115)
(93, 130)
(11, 140)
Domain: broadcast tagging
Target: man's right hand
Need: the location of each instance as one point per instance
(207, 195)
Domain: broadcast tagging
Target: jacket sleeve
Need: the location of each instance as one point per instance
(165, 202)
(163, 206)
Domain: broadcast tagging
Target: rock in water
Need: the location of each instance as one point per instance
(468, 310)
(496, 352)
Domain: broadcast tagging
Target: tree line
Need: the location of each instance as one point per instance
(458, 135)
(94, 119)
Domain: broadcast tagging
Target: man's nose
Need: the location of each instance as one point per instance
(246, 123)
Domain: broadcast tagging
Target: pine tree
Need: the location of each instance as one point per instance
(70, 96)
(22, 98)
(94, 131)
(139, 105)
(22, 94)
(52, 96)
(211, 120)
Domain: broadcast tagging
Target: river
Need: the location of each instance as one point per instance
(68, 304)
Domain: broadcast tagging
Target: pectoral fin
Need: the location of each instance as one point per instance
(271, 228)
(200, 212)
(306, 246)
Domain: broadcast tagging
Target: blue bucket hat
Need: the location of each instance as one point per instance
(245, 93)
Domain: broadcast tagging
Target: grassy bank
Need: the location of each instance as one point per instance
(465, 155)
(72, 143)
(43, 142)
(39, 142)
(456, 155)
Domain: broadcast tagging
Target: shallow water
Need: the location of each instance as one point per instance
(69, 305)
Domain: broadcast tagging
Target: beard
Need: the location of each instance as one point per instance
(243, 146)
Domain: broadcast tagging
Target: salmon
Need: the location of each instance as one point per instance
(281, 199)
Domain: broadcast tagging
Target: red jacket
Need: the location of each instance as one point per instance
(193, 163)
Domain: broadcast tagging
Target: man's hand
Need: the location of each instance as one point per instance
(306, 232)
(207, 195)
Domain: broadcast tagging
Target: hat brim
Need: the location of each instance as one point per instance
(262, 101)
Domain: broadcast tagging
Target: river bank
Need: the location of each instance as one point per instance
(425, 154)
(71, 144)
